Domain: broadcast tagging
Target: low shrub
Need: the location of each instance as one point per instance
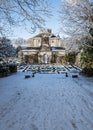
(87, 71)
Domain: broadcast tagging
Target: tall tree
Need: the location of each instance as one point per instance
(23, 12)
(6, 48)
(76, 18)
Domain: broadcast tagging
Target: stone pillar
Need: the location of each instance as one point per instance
(20, 56)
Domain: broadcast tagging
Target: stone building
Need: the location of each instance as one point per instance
(43, 48)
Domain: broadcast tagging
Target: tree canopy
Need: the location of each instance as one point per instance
(23, 12)
(76, 17)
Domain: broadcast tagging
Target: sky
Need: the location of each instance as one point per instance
(52, 22)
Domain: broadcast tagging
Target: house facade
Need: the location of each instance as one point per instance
(43, 48)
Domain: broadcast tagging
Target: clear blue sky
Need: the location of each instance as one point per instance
(51, 23)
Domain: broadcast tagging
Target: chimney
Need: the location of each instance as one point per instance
(49, 30)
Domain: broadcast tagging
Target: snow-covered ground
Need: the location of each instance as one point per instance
(46, 102)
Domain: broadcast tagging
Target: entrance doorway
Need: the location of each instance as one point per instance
(45, 58)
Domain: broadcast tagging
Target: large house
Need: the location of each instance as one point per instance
(43, 48)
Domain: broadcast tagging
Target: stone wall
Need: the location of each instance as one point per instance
(42, 57)
(56, 58)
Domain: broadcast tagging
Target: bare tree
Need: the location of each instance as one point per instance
(30, 13)
(76, 18)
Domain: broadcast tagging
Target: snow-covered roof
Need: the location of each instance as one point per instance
(30, 48)
(49, 34)
(57, 48)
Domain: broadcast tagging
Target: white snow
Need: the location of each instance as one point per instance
(46, 102)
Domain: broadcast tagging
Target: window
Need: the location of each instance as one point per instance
(39, 41)
(52, 41)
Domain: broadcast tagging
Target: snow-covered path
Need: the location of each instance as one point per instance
(46, 102)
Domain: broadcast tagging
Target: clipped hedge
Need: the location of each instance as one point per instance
(87, 61)
(4, 70)
(7, 69)
(88, 71)
(12, 68)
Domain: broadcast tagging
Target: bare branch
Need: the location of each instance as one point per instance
(77, 19)
(20, 12)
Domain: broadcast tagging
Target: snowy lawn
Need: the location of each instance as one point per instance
(46, 102)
